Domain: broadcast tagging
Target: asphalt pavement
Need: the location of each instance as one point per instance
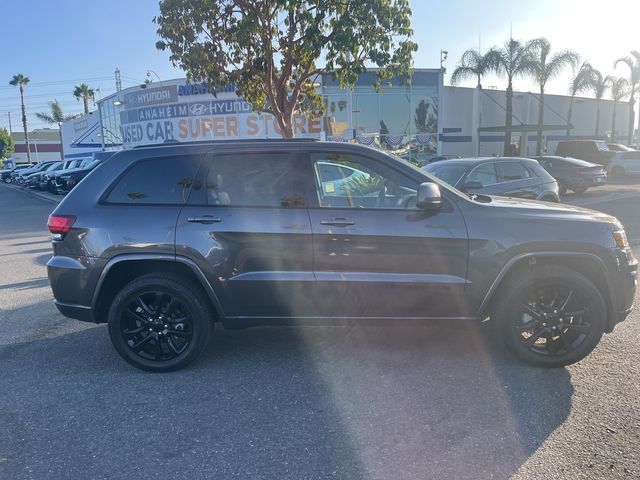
(402, 401)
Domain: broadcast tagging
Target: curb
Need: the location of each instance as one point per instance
(41, 196)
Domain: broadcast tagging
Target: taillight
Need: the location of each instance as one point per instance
(59, 224)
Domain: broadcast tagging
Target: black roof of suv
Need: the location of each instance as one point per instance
(161, 242)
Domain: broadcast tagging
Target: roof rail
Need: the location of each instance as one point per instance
(173, 141)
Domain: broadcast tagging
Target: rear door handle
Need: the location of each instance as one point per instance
(206, 219)
(338, 222)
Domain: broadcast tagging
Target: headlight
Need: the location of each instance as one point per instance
(620, 237)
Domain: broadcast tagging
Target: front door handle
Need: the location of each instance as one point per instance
(338, 222)
(206, 219)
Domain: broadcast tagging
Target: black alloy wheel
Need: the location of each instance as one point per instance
(551, 317)
(159, 322)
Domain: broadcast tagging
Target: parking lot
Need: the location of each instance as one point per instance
(400, 401)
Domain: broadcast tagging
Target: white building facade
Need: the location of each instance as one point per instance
(416, 117)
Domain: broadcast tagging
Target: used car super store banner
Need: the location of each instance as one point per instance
(154, 115)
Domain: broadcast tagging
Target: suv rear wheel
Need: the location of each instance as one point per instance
(159, 322)
(551, 316)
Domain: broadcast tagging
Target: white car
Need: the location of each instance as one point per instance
(623, 163)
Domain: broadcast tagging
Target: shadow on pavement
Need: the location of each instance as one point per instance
(26, 285)
(405, 400)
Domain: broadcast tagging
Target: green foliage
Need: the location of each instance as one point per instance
(85, 93)
(361, 185)
(56, 116)
(472, 64)
(268, 49)
(7, 146)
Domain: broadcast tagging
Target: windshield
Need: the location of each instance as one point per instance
(449, 173)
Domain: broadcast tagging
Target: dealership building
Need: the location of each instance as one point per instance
(415, 117)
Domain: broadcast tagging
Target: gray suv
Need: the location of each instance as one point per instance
(163, 242)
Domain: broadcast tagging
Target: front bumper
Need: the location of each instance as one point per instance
(624, 286)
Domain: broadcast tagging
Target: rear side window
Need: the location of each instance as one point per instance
(485, 174)
(256, 180)
(510, 171)
(157, 181)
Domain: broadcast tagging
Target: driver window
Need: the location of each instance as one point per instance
(349, 181)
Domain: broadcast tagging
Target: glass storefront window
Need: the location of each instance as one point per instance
(336, 114)
(365, 113)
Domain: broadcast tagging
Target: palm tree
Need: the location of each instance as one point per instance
(85, 93)
(545, 68)
(579, 83)
(21, 81)
(471, 64)
(619, 90)
(514, 59)
(599, 85)
(55, 117)
(633, 62)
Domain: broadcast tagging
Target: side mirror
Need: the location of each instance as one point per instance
(472, 185)
(429, 197)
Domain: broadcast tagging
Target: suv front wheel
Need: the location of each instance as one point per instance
(551, 316)
(159, 322)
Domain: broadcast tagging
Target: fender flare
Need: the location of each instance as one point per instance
(195, 269)
(532, 258)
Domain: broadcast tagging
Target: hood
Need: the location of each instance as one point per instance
(536, 209)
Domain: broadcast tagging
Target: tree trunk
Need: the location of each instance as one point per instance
(569, 115)
(61, 146)
(85, 100)
(24, 125)
(632, 119)
(540, 122)
(597, 132)
(508, 121)
(613, 123)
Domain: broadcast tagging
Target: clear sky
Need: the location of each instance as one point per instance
(60, 44)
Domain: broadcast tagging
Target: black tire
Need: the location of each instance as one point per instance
(169, 326)
(562, 188)
(617, 172)
(567, 337)
(580, 190)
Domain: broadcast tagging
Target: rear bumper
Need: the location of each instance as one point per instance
(73, 282)
(78, 312)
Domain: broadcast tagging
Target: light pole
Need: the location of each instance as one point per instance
(443, 57)
(149, 72)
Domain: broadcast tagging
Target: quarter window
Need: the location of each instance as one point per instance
(166, 181)
(510, 171)
(256, 180)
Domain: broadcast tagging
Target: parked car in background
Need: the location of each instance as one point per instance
(47, 177)
(34, 180)
(625, 163)
(63, 183)
(506, 176)
(55, 179)
(595, 151)
(19, 176)
(618, 147)
(439, 158)
(572, 173)
(7, 174)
